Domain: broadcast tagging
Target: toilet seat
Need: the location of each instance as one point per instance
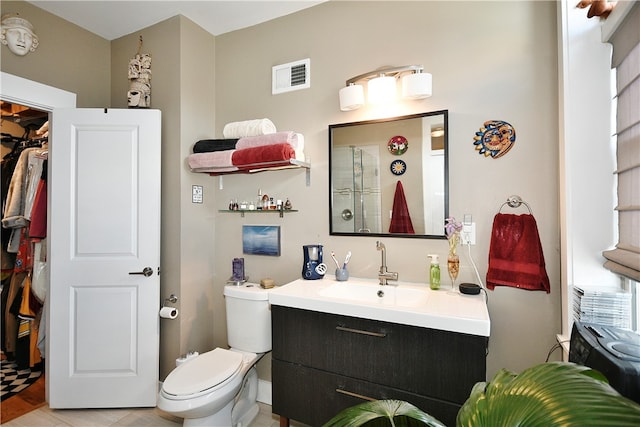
(203, 373)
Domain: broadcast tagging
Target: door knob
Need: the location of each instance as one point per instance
(146, 272)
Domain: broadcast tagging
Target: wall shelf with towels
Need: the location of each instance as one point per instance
(259, 211)
(265, 167)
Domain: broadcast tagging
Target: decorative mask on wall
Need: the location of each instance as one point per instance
(17, 34)
(495, 138)
(139, 94)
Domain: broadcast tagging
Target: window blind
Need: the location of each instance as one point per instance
(624, 259)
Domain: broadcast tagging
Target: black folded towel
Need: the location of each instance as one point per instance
(209, 145)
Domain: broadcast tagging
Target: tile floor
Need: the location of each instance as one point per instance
(143, 417)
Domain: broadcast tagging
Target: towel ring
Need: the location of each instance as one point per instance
(515, 201)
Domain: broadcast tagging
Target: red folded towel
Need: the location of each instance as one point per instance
(515, 254)
(400, 218)
(250, 157)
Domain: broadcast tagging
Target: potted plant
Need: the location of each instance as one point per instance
(383, 413)
(549, 394)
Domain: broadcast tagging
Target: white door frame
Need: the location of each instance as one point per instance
(18, 90)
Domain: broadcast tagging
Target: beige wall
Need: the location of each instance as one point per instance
(489, 60)
(68, 57)
(197, 227)
(182, 87)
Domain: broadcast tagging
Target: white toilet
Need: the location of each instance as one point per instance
(219, 387)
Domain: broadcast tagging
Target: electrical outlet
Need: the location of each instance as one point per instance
(468, 234)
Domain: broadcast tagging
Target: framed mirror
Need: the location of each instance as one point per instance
(390, 177)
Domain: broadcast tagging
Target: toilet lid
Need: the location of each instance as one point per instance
(205, 371)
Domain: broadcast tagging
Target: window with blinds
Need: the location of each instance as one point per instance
(624, 259)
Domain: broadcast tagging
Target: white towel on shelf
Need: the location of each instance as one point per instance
(254, 127)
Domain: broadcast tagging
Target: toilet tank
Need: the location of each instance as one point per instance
(248, 317)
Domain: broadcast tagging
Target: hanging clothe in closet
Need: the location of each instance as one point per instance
(22, 199)
(21, 193)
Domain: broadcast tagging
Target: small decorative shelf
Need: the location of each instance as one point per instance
(259, 211)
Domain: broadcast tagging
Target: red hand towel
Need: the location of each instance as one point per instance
(400, 218)
(515, 254)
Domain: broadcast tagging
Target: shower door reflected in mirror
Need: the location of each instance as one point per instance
(356, 190)
(389, 177)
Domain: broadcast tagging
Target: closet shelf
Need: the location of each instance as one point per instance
(259, 211)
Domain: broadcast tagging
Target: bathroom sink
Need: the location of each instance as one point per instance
(403, 303)
(371, 293)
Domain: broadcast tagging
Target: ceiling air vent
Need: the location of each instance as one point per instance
(292, 76)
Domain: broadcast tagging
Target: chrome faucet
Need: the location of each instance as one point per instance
(383, 274)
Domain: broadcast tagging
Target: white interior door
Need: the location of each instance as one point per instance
(104, 224)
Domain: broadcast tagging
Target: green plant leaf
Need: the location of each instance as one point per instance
(383, 413)
(549, 394)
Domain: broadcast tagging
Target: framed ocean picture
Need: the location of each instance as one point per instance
(261, 240)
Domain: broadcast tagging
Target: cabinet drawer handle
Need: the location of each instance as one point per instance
(352, 394)
(360, 331)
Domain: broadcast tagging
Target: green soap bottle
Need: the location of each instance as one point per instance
(434, 273)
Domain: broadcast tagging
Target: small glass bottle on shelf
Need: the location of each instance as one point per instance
(259, 200)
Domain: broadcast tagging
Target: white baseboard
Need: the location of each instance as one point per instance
(264, 391)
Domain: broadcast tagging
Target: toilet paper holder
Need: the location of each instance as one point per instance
(167, 311)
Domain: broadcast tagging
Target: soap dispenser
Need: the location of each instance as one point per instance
(434, 273)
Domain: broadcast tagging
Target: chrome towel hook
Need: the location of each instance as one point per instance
(172, 299)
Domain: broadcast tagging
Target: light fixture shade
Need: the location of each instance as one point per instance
(351, 97)
(416, 86)
(381, 89)
(437, 132)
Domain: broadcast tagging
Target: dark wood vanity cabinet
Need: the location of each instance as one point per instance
(323, 363)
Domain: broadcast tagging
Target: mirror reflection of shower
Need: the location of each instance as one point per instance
(356, 189)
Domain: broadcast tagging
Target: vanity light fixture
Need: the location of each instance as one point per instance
(381, 89)
(437, 132)
(381, 86)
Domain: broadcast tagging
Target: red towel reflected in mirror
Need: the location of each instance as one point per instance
(400, 218)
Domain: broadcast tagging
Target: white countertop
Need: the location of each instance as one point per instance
(442, 309)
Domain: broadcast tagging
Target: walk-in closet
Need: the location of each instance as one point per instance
(24, 136)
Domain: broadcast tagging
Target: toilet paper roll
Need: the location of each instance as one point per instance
(168, 312)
